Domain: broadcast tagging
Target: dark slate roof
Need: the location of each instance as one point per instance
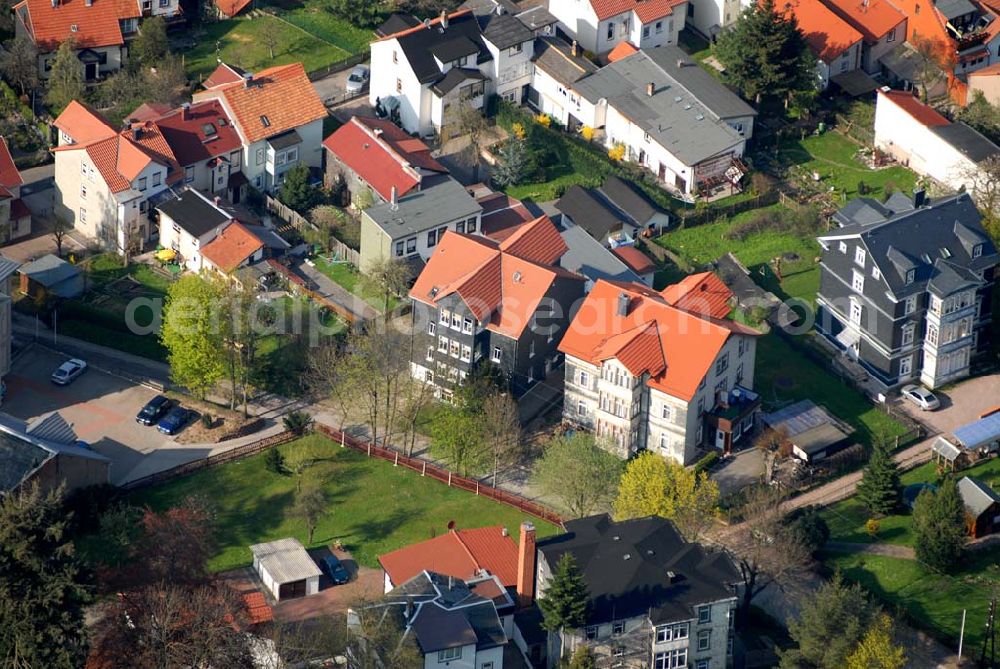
(504, 30)
(976, 495)
(590, 212)
(952, 9)
(556, 58)
(18, 459)
(397, 23)
(448, 44)
(285, 139)
(589, 257)
(24, 447)
(966, 141)
(641, 566)
(950, 278)
(629, 200)
(456, 77)
(946, 229)
(193, 213)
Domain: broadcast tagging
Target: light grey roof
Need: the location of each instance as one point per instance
(803, 417)
(587, 256)
(699, 83)
(979, 433)
(440, 199)
(504, 30)
(7, 267)
(537, 17)
(285, 560)
(554, 57)
(945, 449)
(271, 239)
(976, 495)
(56, 275)
(22, 449)
(952, 9)
(674, 116)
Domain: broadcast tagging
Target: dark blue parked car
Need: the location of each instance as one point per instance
(334, 568)
(154, 409)
(175, 420)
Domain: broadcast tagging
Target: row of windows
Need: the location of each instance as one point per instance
(455, 320)
(452, 347)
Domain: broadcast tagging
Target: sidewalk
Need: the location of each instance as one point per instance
(333, 291)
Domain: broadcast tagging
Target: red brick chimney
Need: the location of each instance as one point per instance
(526, 565)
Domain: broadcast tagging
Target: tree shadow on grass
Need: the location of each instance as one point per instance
(380, 529)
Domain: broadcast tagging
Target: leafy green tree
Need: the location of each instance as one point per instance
(880, 490)
(151, 46)
(829, 626)
(652, 485)
(310, 506)
(295, 190)
(192, 334)
(362, 14)
(19, 63)
(455, 438)
(41, 597)
(65, 78)
(878, 649)
(766, 55)
(512, 163)
(566, 600)
(939, 527)
(982, 115)
(583, 658)
(579, 473)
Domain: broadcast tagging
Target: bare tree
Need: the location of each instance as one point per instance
(470, 121)
(501, 431)
(388, 277)
(766, 550)
(773, 444)
(415, 396)
(19, 63)
(60, 228)
(983, 182)
(377, 637)
(932, 64)
(310, 506)
(376, 366)
(269, 34)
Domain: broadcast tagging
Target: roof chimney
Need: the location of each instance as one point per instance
(247, 79)
(136, 132)
(393, 199)
(623, 301)
(444, 19)
(574, 50)
(185, 108)
(919, 197)
(526, 565)
(650, 89)
(88, 3)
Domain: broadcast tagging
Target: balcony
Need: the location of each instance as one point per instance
(619, 239)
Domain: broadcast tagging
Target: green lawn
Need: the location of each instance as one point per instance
(349, 278)
(318, 20)
(374, 507)
(784, 374)
(241, 45)
(834, 157)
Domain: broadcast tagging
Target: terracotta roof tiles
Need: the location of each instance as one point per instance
(636, 260)
(704, 293)
(828, 35)
(459, 553)
(537, 240)
(923, 114)
(623, 50)
(872, 18)
(90, 26)
(10, 177)
(234, 245)
(646, 10)
(83, 124)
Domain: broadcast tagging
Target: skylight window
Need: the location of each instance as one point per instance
(265, 121)
(209, 130)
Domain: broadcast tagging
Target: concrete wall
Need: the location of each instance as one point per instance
(74, 471)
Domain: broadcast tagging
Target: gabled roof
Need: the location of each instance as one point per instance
(624, 49)
(589, 257)
(232, 7)
(199, 133)
(24, 446)
(827, 34)
(149, 111)
(234, 246)
(440, 198)
(275, 100)
(397, 23)
(555, 57)
(83, 124)
(193, 212)
(286, 560)
(590, 212)
(90, 26)
(504, 30)
(646, 10)
(704, 293)
(872, 18)
(223, 74)
(502, 215)
(688, 343)
(636, 260)
(976, 495)
(382, 155)
(642, 567)
(500, 288)
(459, 553)
(917, 110)
(55, 274)
(122, 157)
(10, 177)
(537, 240)
(422, 43)
(629, 200)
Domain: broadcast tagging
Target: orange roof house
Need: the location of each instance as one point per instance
(16, 217)
(234, 247)
(634, 259)
(81, 125)
(230, 8)
(874, 19)
(828, 35)
(704, 293)
(91, 24)
(622, 50)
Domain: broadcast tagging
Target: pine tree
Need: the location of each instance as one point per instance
(41, 598)
(566, 597)
(66, 77)
(766, 55)
(939, 527)
(880, 489)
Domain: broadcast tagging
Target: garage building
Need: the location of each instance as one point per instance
(813, 432)
(286, 568)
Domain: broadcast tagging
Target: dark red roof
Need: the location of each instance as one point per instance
(382, 155)
(9, 176)
(502, 215)
(636, 260)
(921, 113)
(200, 133)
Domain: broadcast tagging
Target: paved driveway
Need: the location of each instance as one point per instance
(960, 404)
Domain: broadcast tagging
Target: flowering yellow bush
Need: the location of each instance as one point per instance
(543, 120)
(519, 131)
(617, 152)
(872, 526)
(587, 132)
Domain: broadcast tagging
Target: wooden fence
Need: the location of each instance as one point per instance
(302, 224)
(445, 476)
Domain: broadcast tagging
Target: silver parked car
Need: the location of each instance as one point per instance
(358, 79)
(68, 371)
(923, 398)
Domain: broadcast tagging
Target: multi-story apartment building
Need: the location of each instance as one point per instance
(100, 29)
(660, 371)
(15, 217)
(600, 25)
(278, 116)
(906, 287)
(482, 302)
(422, 75)
(656, 600)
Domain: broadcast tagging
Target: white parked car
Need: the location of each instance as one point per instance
(923, 398)
(358, 79)
(68, 371)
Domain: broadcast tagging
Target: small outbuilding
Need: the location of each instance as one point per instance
(51, 274)
(286, 569)
(982, 505)
(813, 432)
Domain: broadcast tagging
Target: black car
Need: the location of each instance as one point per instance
(154, 408)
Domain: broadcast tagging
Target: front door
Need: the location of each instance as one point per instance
(90, 71)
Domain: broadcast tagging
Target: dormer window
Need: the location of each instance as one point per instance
(842, 247)
(860, 256)
(977, 250)
(910, 275)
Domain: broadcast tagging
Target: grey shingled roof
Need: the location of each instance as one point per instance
(699, 83)
(967, 141)
(587, 256)
(555, 58)
(976, 495)
(952, 9)
(458, 39)
(674, 116)
(641, 567)
(439, 200)
(285, 560)
(456, 77)
(628, 199)
(504, 30)
(193, 213)
(585, 208)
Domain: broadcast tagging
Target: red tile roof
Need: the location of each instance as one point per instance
(93, 26)
(122, 157)
(623, 50)
(921, 113)
(636, 260)
(199, 133)
(828, 35)
(502, 215)
(9, 175)
(703, 293)
(278, 99)
(149, 111)
(872, 18)
(498, 287)
(231, 8)
(421, 26)
(382, 155)
(537, 240)
(676, 347)
(646, 10)
(223, 74)
(234, 245)
(459, 553)
(257, 608)
(83, 124)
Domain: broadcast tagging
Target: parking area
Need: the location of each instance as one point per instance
(961, 404)
(101, 408)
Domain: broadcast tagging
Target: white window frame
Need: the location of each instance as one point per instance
(909, 330)
(704, 614)
(497, 354)
(909, 305)
(842, 247)
(906, 366)
(704, 640)
(857, 281)
(449, 654)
